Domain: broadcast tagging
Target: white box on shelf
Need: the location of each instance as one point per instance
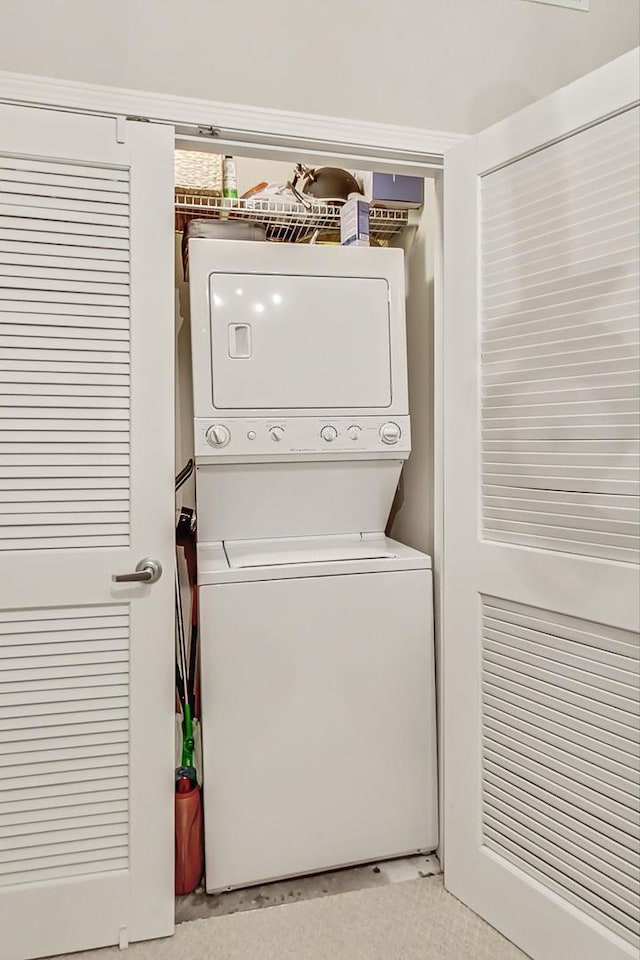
(354, 222)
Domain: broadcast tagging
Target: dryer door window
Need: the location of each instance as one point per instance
(299, 342)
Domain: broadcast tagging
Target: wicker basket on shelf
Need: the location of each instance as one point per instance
(199, 173)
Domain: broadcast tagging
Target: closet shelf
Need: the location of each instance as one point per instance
(289, 222)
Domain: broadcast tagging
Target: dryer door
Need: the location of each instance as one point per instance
(299, 342)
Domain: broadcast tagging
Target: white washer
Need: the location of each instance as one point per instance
(317, 706)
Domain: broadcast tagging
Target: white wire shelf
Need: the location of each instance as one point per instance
(288, 222)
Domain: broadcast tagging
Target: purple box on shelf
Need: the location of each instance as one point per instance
(393, 190)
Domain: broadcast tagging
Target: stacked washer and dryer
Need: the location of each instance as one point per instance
(317, 672)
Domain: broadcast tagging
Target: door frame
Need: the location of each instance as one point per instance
(229, 124)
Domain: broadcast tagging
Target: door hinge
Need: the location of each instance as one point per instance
(121, 129)
(208, 131)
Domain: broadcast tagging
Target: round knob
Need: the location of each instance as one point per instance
(218, 435)
(277, 433)
(390, 433)
(354, 432)
(329, 434)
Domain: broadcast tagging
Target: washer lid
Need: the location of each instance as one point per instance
(242, 554)
(236, 561)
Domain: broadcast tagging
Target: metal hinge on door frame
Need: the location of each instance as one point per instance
(121, 122)
(121, 129)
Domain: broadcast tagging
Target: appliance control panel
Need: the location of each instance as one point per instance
(293, 437)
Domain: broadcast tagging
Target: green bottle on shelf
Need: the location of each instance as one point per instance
(229, 179)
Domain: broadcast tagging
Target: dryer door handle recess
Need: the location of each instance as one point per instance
(239, 341)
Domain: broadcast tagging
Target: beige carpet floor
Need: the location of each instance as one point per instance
(415, 920)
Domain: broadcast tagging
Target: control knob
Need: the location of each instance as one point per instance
(390, 432)
(277, 433)
(329, 434)
(218, 435)
(354, 431)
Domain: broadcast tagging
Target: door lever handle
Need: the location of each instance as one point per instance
(147, 571)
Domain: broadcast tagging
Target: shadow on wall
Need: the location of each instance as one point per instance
(184, 391)
(411, 519)
(498, 100)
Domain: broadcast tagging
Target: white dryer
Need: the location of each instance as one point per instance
(318, 694)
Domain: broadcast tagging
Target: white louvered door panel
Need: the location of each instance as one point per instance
(561, 710)
(561, 346)
(86, 464)
(66, 485)
(64, 710)
(542, 522)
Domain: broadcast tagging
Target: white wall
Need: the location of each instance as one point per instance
(412, 517)
(251, 172)
(455, 65)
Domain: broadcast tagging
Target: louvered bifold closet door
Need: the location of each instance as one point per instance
(541, 584)
(86, 493)
(64, 484)
(560, 473)
(64, 355)
(561, 346)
